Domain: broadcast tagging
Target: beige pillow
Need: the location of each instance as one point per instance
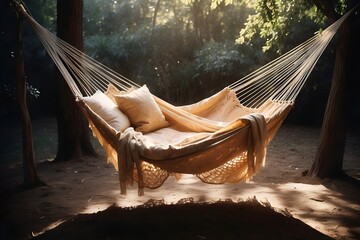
(140, 106)
(107, 110)
(111, 92)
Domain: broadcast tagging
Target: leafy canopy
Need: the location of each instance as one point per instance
(272, 20)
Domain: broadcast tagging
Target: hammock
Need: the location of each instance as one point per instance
(220, 139)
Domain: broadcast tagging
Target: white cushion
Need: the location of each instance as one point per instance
(107, 110)
(140, 106)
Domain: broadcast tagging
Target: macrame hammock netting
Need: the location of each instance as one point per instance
(220, 139)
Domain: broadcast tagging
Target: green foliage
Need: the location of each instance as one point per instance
(110, 17)
(273, 21)
(340, 6)
(32, 90)
(44, 11)
(218, 57)
(213, 3)
(166, 56)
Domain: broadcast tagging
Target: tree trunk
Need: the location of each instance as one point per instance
(31, 178)
(329, 156)
(73, 137)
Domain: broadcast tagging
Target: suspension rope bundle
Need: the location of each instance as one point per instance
(283, 78)
(279, 80)
(83, 74)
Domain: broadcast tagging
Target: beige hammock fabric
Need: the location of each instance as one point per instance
(223, 142)
(219, 139)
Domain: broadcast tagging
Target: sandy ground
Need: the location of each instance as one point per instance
(91, 185)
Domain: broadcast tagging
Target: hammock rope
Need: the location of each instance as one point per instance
(283, 78)
(279, 80)
(83, 74)
(225, 136)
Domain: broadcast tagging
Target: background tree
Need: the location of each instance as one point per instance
(31, 177)
(170, 56)
(73, 135)
(272, 21)
(330, 153)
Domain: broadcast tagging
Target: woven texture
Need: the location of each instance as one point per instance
(223, 142)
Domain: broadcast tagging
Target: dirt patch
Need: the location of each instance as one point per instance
(219, 220)
(79, 194)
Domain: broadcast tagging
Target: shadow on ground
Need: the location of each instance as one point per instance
(185, 220)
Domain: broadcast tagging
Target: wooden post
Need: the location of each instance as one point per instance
(31, 178)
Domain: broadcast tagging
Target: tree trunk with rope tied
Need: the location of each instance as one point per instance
(31, 177)
(328, 162)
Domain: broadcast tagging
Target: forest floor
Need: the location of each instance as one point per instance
(82, 197)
